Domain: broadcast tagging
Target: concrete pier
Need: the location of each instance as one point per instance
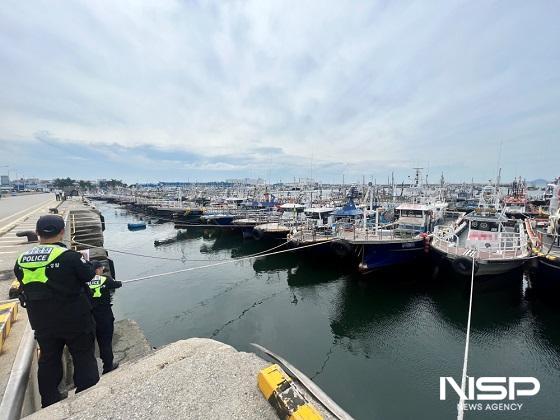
(195, 378)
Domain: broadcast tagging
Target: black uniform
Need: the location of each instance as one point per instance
(100, 296)
(60, 313)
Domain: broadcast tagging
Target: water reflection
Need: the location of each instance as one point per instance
(546, 318)
(362, 309)
(493, 310)
(306, 274)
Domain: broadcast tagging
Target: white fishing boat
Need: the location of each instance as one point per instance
(485, 237)
(546, 245)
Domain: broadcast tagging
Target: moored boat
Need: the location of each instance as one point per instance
(274, 230)
(403, 242)
(546, 246)
(217, 219)
(485, 238)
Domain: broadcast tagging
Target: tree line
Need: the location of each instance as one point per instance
(86, 185)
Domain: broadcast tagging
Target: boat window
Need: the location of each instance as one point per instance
(485, 226)
(411, 213)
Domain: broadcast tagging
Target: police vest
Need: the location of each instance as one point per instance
(96, 284)
(34, 262)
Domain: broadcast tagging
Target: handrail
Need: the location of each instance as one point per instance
(14, 395)
(515, 242)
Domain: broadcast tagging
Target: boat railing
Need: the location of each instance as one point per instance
(359, 233)
(509, 245)
(444, 239)
(309, 230)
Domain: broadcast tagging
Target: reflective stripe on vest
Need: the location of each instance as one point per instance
(35, 261)
(95, 285)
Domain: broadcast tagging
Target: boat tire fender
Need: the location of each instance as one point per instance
(257, 234)
(463, 266)
(342, 249)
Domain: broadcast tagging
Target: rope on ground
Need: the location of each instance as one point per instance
(184, 270)
(460, 408)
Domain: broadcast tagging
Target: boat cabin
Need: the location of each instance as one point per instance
(236, 201)
(515, 205)
(319, 215)
(484, 231)
(292, 207)
(415, 218)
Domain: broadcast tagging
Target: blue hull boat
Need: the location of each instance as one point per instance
(385, 254)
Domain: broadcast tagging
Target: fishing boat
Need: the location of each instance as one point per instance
(272, 231)
(419, 218)
(348, 212)
(295, 208)
(515, 203)
(399, 243)
(188, 215)
(546, 245)
(361, 234)
(291, 215)
(485, 238)
(247, 225)
(319, 216)
(219, 219)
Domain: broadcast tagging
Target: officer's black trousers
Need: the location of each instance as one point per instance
(81, 347)
(104, 319)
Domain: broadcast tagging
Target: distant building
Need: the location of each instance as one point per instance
(172, 184)
(5, 183)
(29, 184)
(246, 181)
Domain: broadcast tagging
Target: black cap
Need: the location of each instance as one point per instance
(96, 264)
(50, 225)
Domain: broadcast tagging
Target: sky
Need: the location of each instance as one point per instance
(193, 90)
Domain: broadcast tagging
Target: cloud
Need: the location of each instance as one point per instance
(282, 89)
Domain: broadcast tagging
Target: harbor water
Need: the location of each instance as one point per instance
(377, 345)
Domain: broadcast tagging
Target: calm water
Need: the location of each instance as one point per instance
(377, 346)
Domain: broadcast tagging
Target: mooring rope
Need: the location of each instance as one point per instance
(460, 410)
(156, 257)
(184, 270)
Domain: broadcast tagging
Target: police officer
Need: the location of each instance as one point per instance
(101, 287)
(52, 280)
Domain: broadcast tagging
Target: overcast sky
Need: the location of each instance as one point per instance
(177, 90)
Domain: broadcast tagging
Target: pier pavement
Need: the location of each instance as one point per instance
(17, 214)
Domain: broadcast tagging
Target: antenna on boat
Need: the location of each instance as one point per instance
(498, 168)
(417, 176)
